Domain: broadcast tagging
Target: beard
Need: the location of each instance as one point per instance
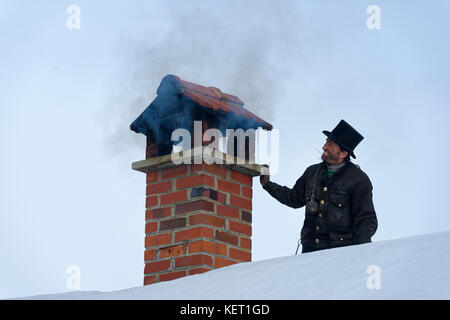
(330, 158)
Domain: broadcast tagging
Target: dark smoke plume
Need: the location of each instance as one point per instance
(242, 47)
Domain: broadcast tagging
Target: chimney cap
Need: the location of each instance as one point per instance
(209, 98)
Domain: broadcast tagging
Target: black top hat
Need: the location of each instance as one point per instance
(345, 136)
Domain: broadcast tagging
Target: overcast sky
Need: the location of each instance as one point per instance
(68, 195)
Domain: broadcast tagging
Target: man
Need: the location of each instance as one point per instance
(337, 195)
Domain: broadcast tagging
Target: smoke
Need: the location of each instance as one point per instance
(243, 48)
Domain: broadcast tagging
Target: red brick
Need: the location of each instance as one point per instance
(221, 197)
(203, 218)
(151, 149)
(246, 243)
(242, 178)
(173, 197)
(229, 186)
(157, 266)
(240, 255)
(158, 213)
(152, 176)
(194, 181)
(160, 187)
(151, 227)
(228, 211)
(195, 260)
(173, 172)
(198, 271)
(210, 168)
(149, 254)
(197, 205)
(151, 201)
(157, 240)
(198, 232)
(241, 202)
(247, 192)
(173, 251)
(226, 237)
(221, 262)
(208, 246)
(240, 227)
(172, 224)
(172, 275)
(149, 280)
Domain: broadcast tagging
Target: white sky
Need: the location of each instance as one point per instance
(67, 98)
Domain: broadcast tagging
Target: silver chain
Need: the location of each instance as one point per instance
(298, 243)
(312, 198)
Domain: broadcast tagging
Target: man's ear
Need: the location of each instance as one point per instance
(344, 154)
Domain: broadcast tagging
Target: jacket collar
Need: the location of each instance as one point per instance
(328, 181)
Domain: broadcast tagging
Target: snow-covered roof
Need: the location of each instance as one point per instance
(410, 268)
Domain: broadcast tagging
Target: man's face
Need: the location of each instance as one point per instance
(332, 153)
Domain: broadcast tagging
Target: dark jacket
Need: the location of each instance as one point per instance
(345, 215)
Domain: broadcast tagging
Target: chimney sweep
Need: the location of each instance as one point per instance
(337, 194)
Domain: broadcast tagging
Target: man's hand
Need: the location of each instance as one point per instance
(264, 178)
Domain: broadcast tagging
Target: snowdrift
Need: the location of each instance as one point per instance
(410, 268)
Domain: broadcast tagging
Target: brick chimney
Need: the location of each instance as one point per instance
(198, 217)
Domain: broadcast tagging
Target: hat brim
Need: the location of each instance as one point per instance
(332, 137)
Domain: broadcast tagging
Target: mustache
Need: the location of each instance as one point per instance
(328, 155)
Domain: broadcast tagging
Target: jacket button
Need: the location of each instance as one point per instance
(317, 241)
(342, 239)
(340, 205)
(317, 228)
(322, 202)
(325, 189)
(320, 215)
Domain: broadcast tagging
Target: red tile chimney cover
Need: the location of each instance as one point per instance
(213, 98)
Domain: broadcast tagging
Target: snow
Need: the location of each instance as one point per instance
(410, 268)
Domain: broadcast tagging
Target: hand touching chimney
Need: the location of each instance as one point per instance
(264, 178)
